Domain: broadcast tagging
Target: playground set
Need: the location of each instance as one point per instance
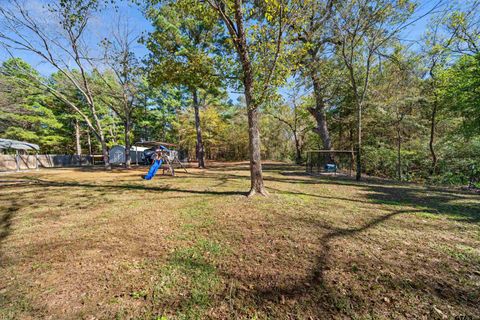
(161, 155)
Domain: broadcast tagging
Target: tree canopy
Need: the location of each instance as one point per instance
(249, 80)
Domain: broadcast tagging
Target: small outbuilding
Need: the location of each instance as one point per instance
(117, 154)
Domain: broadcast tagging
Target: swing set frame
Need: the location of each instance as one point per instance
(169, 156)
(330, 161)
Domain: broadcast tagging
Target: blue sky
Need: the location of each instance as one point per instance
(99, 27)
(131, 15)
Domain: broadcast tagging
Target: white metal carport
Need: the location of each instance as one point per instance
(6, 144)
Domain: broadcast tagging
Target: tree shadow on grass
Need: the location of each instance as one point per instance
(322, 297)
(135, 187)
(244, 166)
(6, 217)
(82, 201)
(6, 221)
(437, 202)
(315, 286)
(459, 205)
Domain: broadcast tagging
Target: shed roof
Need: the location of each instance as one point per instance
(132, 148)
(18, 145)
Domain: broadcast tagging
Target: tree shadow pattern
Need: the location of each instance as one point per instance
(314, 287)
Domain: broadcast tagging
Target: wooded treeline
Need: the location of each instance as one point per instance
(311, 74)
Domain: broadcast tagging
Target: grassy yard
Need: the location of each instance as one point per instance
(89, 244)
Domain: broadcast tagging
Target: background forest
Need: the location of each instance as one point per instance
(324, 75)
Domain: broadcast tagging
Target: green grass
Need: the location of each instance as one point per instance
(190, 271)
(191, 274)
(462, 253)
(196, 215)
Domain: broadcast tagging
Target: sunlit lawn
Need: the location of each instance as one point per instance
(83, 243)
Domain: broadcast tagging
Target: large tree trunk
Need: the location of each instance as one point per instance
(399, 154)
(77, 138)
(103, 143)
(351, 135)
(358, 158)
(105, 155)
(319, 113)
(240, 38)
(358, 104)
(199, 149)
(101, 137)
(89, 142)
(105, 152)
(128, 159)
(432, 137)
(298, 150)
(256, 177)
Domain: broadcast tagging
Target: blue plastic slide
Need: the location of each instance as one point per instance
(153, 169)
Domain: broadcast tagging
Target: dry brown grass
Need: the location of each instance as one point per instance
(83, 243)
